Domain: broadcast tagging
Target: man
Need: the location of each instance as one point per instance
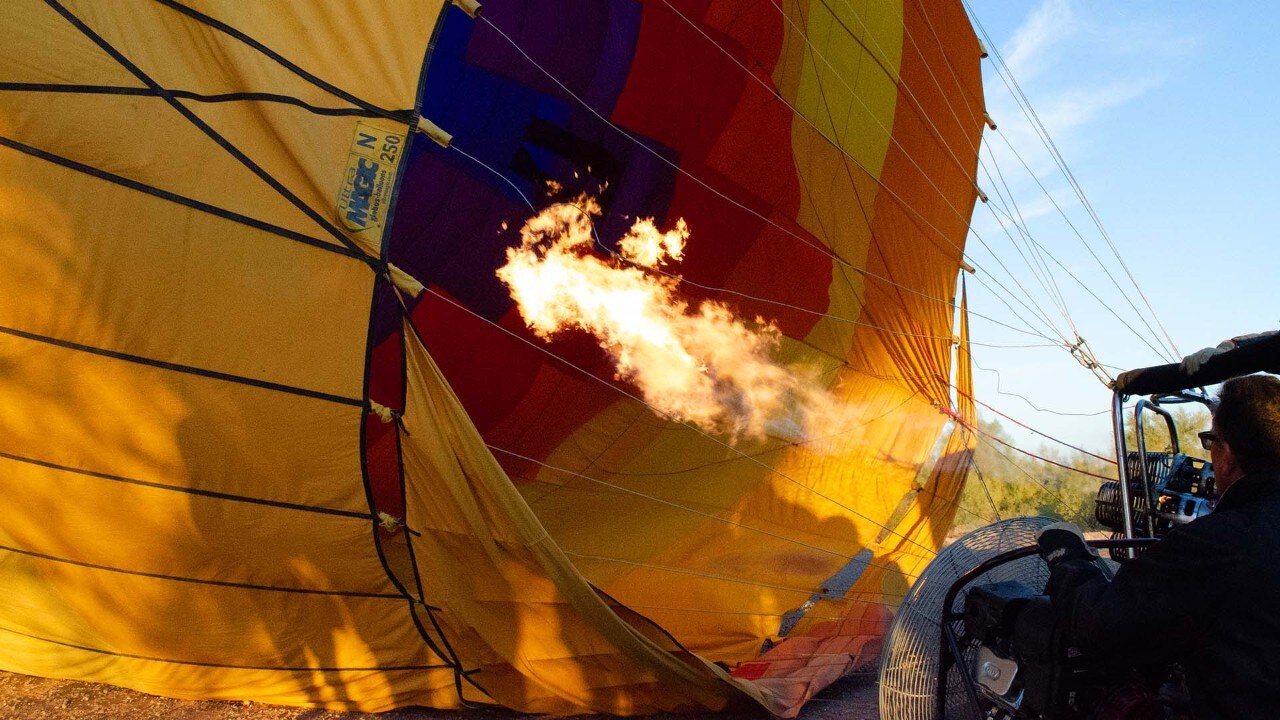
(1208, 595)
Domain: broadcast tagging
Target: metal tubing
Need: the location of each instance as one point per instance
(1147, 490)
(1117, 424)
(1145, 404)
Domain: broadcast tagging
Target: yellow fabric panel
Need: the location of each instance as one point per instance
(733, 541)
(366, 690)
(33, 29)
(512, 604)
(103, 131)
(845, 107)
(59, 602)
(835, 84)
(841, 89)
(85, 437)
(281, 139)
(142, 138)
(383, 71)
(932, 513)
(143, 529)
(167, 283)
(206, 60)
(146, 139)
(122, 525)
(96, 414)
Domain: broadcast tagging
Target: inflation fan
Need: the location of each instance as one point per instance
(909, 667)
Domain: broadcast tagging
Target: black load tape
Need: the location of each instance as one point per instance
(1259, 356)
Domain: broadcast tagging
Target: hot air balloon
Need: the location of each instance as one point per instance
(274, 427)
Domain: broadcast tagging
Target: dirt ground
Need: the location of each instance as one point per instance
(30, 698)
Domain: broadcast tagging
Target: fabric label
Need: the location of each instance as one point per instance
(369, 179)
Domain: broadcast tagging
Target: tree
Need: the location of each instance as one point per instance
(1188, 419)
(1005, 482)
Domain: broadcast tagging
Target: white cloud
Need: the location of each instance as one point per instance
(1111, 61)
(1084, 64)
(1075, 108)
(1049, 24)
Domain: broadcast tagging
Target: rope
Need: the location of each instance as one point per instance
(1037, 432)
(1030, 454)
(1000, 390)
(946, 99)
(986, 489)
(1039, 272)
(848, 157)
(1058, 300)
(1024, 104)
(1083, 198)
(1053, 494)
(1040, 269)
(454, 146)
(937, 134)
(1088, 247)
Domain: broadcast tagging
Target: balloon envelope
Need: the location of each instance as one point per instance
(246, 457)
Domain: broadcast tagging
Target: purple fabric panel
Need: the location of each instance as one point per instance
(447, 227)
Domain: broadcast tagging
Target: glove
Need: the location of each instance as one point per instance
(1191, 363)
(1063, 541)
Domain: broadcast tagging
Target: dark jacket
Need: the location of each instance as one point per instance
(1207, 596)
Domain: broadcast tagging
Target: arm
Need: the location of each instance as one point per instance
(1158, 602)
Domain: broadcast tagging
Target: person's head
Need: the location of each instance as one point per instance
(1246, 426)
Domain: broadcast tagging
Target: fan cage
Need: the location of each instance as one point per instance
(909, 663)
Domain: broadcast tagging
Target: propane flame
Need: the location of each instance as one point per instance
(700, 364)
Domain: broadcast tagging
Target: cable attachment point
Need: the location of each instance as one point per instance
(1084, 355)
(470, 7)
(434, 131)
(388, 415)
(981, 195)
(384, 413)
(404, 282)
(390, 523)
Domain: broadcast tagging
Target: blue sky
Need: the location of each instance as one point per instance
(1166, 114)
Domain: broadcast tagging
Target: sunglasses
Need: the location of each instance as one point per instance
(1209, 440)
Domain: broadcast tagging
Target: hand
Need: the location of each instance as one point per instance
(1191, 363)
(1063, 541)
